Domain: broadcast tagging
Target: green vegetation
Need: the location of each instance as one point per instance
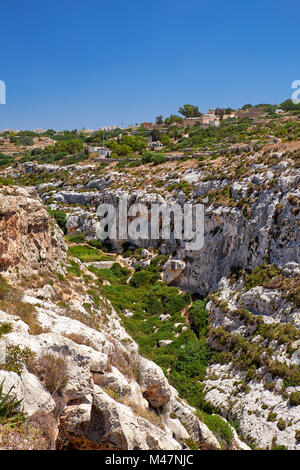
(10, 408)
(5, 328)
(17, 358)
(218, 426)
(74, 268)
(7, 181)
(60, 218)
(198, 317)
(153, 157)
(192, 445)
(128, 145)
(294, 399)
(261, 275)
(246, 355)
(289, 106)
(183, 186)
(185, 359)
(88, 254)
(189, 111)
(5, 160)
(76, 238)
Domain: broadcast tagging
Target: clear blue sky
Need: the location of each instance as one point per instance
(70, 63)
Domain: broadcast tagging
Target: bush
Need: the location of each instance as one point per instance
(74, 269)
(52, 372)
(5, 160)
(261, 275)
(143, 278)
(5, 289)
(294, 399)
(198, 317)
(16, 358)
(281, 424)
(5, 328)
(153, 157)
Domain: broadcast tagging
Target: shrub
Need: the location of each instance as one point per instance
(281, 424)
(152, 157)
(5, 289)
(74, 269)
(276, 446)
(261, 275)
(28, 314)
(11, 302)
(294, 399)
(198, 317)
(143, 278)
(272, 416)
(16, 358)
(5, 328)
(79, 339)
(5, 160)
(52, 372)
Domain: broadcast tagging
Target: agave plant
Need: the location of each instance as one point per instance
(9, 404)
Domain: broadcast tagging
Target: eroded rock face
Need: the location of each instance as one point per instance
(113, 398)
(29, 240)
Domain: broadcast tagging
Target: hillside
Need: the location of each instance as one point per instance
(161, 347)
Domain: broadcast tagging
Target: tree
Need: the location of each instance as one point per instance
(155, 134)
(165, 139)
(220, 112)
(172, 119)
(159, 120)
(188, 110)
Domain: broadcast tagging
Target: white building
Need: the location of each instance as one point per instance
(104, 152)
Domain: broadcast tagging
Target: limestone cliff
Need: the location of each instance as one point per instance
(64, 354)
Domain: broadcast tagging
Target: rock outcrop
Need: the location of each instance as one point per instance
(30, 241)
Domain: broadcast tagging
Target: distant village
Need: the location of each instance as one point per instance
(191, 118)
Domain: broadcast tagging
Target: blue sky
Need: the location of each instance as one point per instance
(69, 63)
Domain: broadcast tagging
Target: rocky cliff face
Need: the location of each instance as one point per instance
(29, 240)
